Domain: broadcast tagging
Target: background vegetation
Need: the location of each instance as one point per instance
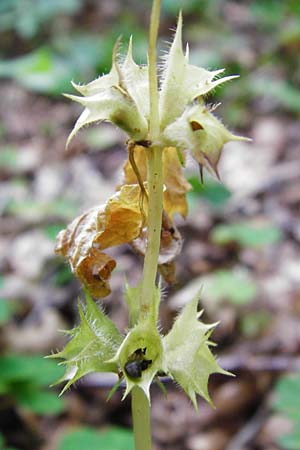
(241, 238)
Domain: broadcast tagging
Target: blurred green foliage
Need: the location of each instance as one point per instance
(287, 394)
(246, 234)
(63, 275)
(62, 208)
(233, 286)
(253, 323)
(8, 158)
(7, 309)
(88, 438)
(50, 72)
(2, 444)
(188, 6)
(49, 69)
(269, 13)
(52, 230)
(64, 53)
(26, 17)
(57, 53)
(25, 380)
(213, 192)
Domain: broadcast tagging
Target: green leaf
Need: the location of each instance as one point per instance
(21, 377)
(213, 192)
(4, 389)
(93, 342)
(234, 286)
(246, 234)
(7, 309)
(291, 441)
(63, 275)
(38, 370)
(287, 393)
(188, 6)
(188, 358)
(27, 16)
(40, 402)
(268, 13)
(286, 402)
(41, 71)
(62, 207)
(87, 438)
(8, 158)
(255, 322)
(285, 94)
(52, 230)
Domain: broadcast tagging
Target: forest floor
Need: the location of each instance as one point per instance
(241, 245)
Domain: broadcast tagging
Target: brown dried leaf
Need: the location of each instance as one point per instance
(117, 222)
(123, 218)
(94, 272)
(176, 186)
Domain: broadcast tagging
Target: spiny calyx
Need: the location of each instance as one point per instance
(143, 354)
(122, 97)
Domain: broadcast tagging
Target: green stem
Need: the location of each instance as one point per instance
(140, 403)
(155, 175)
(141, 420)
(152, 71)
(155, 192)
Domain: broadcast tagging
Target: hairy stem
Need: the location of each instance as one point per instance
(141, 420)
(140, 403)
(152, 71)
(155, 175)
(155, 195)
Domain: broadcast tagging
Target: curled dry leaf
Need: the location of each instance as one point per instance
(116, 222)
(176, 186)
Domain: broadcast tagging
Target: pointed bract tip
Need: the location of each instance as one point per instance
(52, 356)
(216, 170)
(179, 20)
(130, 43)
(243, 138)
(69, 140)
(64, 389)
(115, 50)
(217, 72)
(77, 87)
(129, 57)
(187, 52)
(75, 98)
(178, 34)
